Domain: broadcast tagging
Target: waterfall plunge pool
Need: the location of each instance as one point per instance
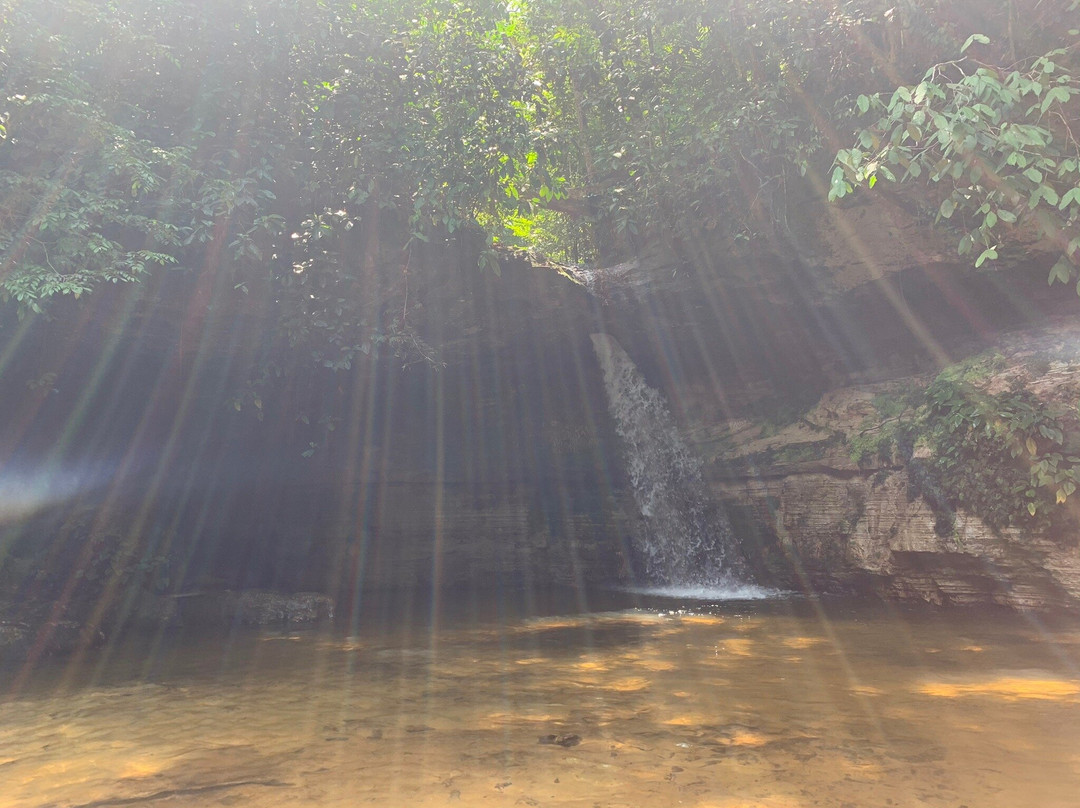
(562, 699)
(710, 593)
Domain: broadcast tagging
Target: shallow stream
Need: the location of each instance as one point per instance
(605, 702)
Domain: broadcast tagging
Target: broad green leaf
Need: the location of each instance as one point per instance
(1059, 94)
(986, 255)
(1061, 271)
(838, 186)
(1069, 197)
(982, 39)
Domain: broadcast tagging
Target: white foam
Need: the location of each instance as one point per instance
(727, 591)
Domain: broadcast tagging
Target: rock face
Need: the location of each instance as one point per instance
(812, 518)
(32, 637)
(503, 467)
(858, 534)
(772, 361)
(450, 537)
(492, 465)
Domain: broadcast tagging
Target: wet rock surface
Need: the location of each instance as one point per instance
(23, 641)
(29, 633)
(863, 535)
(565, 739)
(812, 516)
(256, 608)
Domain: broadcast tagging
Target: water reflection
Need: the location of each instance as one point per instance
(741, 705)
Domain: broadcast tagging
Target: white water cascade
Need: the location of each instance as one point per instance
(688, 543)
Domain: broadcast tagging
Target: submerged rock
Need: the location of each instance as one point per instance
(21, 641)
(258, 607)
(152, 611)
(566, 739)
(14, 640)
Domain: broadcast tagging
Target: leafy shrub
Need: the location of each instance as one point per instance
(997, 141)
(1004, 457)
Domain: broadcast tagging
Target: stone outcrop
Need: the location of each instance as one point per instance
(495, 461)
(860, 534)
(490, 463)
(814, 519)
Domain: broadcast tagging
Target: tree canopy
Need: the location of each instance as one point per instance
(991, 135)
(306, 146)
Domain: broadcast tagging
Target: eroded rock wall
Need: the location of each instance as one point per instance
(862, 534)
(812, 518)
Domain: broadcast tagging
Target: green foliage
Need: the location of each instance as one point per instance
(890, 431)
(302, 156)
(74, 557)
(999, 457)
(973, 439)
(306, 155)
(799, 452)
(677, 117)
(546, 235)
(434, 113)
(873, 443)
(1006, 457)
(997, 143)
(268, 143)
(138, 134)
(101, 177)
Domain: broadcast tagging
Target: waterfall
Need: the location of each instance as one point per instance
(688, 541)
